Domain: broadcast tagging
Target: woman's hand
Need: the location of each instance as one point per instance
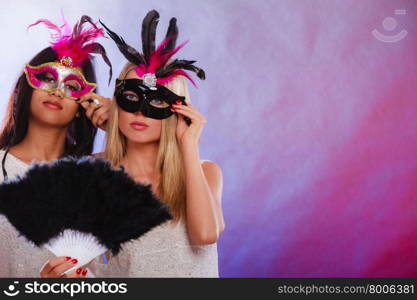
(97, 113)
(187, 135)
(58, 265)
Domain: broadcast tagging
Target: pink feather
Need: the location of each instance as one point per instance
(74, 43)
(141, 70)
(158, 58)
(175, 73)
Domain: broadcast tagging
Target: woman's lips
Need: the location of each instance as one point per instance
(139, 125)
(52, 105)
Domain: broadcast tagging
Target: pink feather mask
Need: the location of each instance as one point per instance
(73, 47)
(54, 76)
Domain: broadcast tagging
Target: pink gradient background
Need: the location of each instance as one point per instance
(321, 166)
(312, 119)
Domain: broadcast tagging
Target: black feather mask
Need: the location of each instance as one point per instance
(155, 69)
(152, 64)
(71, 204)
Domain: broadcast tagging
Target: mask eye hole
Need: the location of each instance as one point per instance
(46, 77)
(131, 96)
(73, 85)
(158, 103)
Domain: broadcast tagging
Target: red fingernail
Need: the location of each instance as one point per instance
(79, 271)
(173, 109)
(85, 272)
(178, 101)
(74, 261)
(67, 257)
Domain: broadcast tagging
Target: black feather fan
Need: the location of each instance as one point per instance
(84, 196)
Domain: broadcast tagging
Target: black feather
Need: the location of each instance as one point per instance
(99, 49)
(149, 33)
(79, 25)
(182, 64)
(171, 32)
(84, 194)
(130, 53)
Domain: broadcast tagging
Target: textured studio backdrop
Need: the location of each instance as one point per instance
(312, 115)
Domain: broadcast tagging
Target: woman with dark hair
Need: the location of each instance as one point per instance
(45, 121)
(22, 114)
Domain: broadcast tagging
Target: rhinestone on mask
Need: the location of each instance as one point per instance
(66, 61)
(149, 79)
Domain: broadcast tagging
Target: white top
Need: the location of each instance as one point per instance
(164, 251)
(18, 256)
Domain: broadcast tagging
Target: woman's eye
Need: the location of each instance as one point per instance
(73, 85)
(47, 77)
(131, 97)
(74, 88)
(158, 103)
(70, 87)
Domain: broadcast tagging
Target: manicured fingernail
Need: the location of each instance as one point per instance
(85, 272)
(67, 257)
(172, 109)
(74, 261)
(178, 101)
(79, 270)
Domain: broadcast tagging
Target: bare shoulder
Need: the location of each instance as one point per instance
(98, 155)
(211, 167)
(213, 173)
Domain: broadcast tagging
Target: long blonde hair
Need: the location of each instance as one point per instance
(169, 162)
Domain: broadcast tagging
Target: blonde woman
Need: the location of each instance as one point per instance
(153, 132)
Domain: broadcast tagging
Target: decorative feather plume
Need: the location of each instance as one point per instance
(130, 53)
(172, 33)
(76, 43)
(156, 61)
(99, 49)
(160, 57)
(182, 64)
(149, 33)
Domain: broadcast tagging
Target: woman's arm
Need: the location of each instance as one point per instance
(204, 184)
